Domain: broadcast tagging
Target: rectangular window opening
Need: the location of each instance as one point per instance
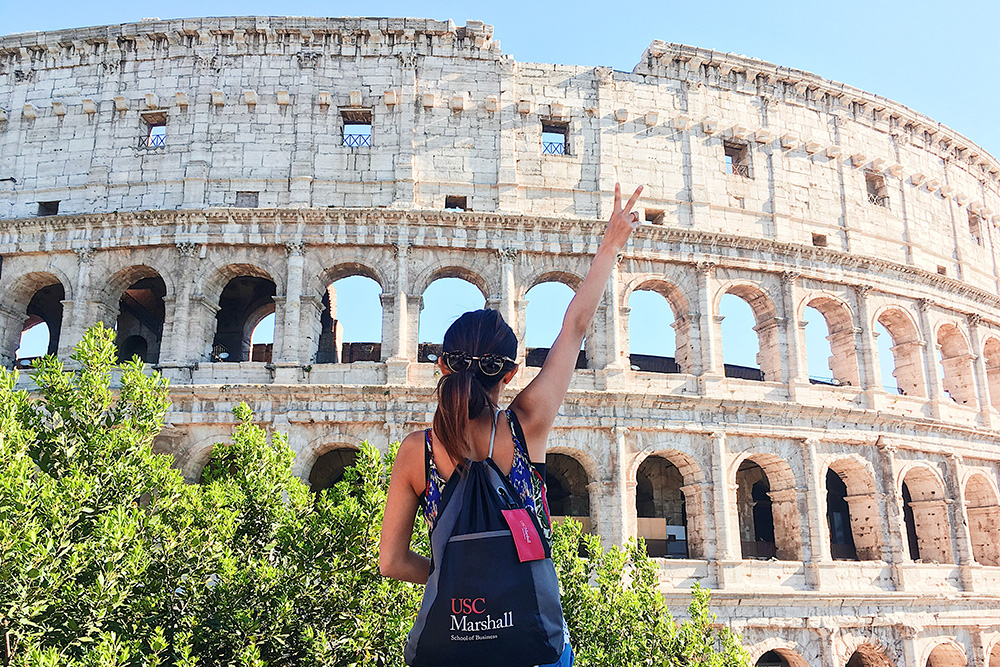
(878, 194)
(247, 199)
(555, 138)
(48, 208)
(975, 228)
(357, 127)
(154, 130)
(819, 240)
(737, 159)
(942, 270)
(654, 215)
(456, 203)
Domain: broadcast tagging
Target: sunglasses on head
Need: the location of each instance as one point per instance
(489, 364)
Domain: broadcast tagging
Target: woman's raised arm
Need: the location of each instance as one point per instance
(537, 404)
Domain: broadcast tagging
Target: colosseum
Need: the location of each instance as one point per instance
(184, 180)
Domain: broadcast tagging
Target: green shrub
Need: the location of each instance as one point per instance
(108, 558)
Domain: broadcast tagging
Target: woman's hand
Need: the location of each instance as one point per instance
(623, 220)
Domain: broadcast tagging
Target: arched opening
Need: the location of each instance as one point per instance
(41, 327)
(908, 369)
(659, 339)
(991, 352)
(262, 335)
(946, 655)
(771, 659)
(884, 359)
(566, 485)
(830, 346)
(351, 321)
(925, 515)
(244, 302)
(750, 349)
(139, 326)
(868, 656)
(546, 305)
(853, 512)
(661, 508)
(767, 509)
(444, 301)
(983, 511)
(956, 366)
(329, 468)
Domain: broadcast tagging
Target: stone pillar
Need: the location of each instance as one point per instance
(508, 290)
(395, 321)
(706, 352)
(819, 531)
(979, 657)
(509, 120)
(604, 145)
(795, 369)
(698, 536)
(959, 520)
(828, 646)
(979, 371)
(893, 550)
(932, 377)
(911, 654)
(290, 343)
(11, 323)
(865, 344)
(404, 173)
(727, 546)
(609, 497)
(176, 349)
(75, 312)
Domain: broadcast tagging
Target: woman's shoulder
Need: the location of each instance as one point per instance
(410, 459)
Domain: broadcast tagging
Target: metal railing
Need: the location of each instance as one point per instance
(741, 170)
(152, 141)
(358, 140)
(878, 200)
(554, 148)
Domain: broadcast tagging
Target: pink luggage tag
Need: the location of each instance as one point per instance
(526, 539)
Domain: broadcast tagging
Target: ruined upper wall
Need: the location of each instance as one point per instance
(258, 105)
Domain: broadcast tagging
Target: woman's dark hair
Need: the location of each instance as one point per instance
(462, 396)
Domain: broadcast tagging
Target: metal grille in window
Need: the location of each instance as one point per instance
(742, 170)
(877, 199)
(555, 138)
(156, 131)
(554, 148)
(358, 140)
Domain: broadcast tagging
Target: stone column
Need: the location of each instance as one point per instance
(959, 520)
(795, 368)
(819, 531)
(508, 290)
(894, 530)
(395, 321)
(75, 312)
(706, 353)
(979, 370)
(176, 349)
(911, 655)
(727, 547)
(865, 344)
(828, 646)
(11, 323)
(508, 120)
(405, 169)
(979, 657)
(290, 343)
(932, 377)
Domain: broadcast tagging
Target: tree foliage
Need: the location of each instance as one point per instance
(107, 558)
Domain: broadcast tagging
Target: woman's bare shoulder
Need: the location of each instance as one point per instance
(410, 460)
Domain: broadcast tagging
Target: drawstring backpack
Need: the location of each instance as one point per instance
(492, 598)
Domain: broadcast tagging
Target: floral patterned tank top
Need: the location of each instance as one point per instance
(527, 478)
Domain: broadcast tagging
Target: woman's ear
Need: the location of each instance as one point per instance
(509, 375)
(443, 367)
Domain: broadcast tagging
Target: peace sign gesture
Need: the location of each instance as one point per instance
(623, 220)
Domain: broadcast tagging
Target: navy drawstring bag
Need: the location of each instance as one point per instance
(492, 598)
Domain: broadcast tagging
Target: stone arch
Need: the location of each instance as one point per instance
(864, 523)
(983, 510)
(535, 355)
(245, 295)
(563, 276)
(991, 355)
(347, 267)
(867, 654)
(112, 287)
(670, 504)
(925, 514)
(136, 294)
(568, 480)
(766, 328)
(956, 360)
(767, 507)
(947, 653)
(454, 268)
(843, 361)
(778, 653)
(906, 350)
(679, 306)
(328, 330)
(195, 457)
(329, 465)
(215, 278)
(33, 298)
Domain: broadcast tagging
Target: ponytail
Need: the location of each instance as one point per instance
(464, 395)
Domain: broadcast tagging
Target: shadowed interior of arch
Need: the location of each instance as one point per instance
(566, 483)
(329, 467)
(830, 345)
(140, 320)
(661, 509)
(983, 512)
(244, 303)
(906, 353)
(925, 517)
(351, 321)
(42, 324)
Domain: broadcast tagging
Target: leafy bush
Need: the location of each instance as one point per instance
(108, 558)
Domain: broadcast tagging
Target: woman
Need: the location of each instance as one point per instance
(477, 362)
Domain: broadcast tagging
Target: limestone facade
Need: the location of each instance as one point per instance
(181, 179)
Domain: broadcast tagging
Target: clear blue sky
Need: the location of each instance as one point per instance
(939, 59)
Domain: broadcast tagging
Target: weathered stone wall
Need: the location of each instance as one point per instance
(841, 200)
